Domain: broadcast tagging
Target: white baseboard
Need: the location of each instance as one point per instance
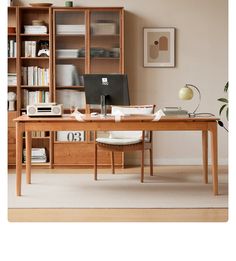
(174, 161)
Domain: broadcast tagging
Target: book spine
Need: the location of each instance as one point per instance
(33, 49)
(11, 48)
(15, 49)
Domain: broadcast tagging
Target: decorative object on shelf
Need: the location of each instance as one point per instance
(41, 4)
(11, 97)
(43, 47)
(69, 3)
(38, 22)
(103, 27)
(159, 47)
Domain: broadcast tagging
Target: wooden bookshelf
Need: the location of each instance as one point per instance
(73, 154)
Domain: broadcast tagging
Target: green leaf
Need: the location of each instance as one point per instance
(226, 87)
(223, 100)
(222, 108)
(227, 114)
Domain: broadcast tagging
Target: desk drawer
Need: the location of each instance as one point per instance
(81, 154)
(11, 153)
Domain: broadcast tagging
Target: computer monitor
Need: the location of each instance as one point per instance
(106, 89)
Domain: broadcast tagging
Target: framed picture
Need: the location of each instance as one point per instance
(159, 47)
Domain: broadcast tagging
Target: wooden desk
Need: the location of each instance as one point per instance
(138, 122)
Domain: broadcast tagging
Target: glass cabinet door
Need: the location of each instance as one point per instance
(70, 57)
(105, 42)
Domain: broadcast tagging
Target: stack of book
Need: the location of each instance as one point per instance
(67, 53)
(38, 134)
(174, 111)
(29, 48)
(34, 75)
(35, 29)
(34, 97)
(38, 155)
(78, 29)
(12, 79)
(12, 49)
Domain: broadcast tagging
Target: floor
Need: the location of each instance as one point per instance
(207, 213)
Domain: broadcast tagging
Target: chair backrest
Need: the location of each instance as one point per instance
(133, 110)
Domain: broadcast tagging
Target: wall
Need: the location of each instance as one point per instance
(201, 59)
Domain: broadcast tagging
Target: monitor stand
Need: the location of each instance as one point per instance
(103, 105)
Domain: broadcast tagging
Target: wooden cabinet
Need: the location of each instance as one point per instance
(80, 41)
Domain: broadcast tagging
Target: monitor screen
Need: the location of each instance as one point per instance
(113, 86)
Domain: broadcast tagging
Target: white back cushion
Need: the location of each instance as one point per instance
(127, 110)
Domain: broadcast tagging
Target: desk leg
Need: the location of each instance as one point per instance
(205, 154)
(28, 156)
(95, 155)
(214, 156)
(19, 140)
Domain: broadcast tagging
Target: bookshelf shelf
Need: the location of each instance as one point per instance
(36, 35)
(70, 58)
(34, 86)
(11, 34)
(34, 58)
(69, 35)
(39, 138)
(71, 87)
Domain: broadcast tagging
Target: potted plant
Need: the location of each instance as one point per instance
(224, 106)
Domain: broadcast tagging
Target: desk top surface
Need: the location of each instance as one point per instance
(129, 118)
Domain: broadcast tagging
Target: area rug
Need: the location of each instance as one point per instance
(164, 190)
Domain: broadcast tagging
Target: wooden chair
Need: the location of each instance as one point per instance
(124, 141)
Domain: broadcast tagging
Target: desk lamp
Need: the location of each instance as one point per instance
(186, 93)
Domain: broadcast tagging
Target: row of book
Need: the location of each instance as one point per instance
(38, 155)
(39, 134)
(12, 48)
(34, 97)
(34, 75)
(12, 79)
(29, 48)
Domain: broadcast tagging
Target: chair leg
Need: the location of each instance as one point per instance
(112, 163)
(151, 163)
(142, 166)
(95, 160)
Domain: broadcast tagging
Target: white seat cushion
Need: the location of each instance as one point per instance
(123, 141)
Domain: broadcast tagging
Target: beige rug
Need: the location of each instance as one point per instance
(167, 189)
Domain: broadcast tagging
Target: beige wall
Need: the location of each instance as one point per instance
(201, 59)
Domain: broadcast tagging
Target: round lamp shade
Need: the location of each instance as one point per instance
(186, 93)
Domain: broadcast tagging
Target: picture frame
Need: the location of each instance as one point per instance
(159, 47)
